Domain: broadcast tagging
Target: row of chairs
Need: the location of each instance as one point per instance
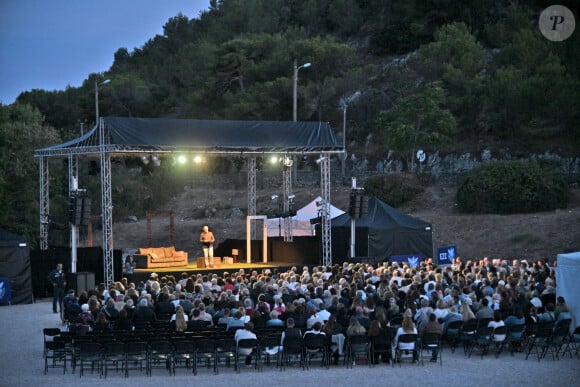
(553, 337)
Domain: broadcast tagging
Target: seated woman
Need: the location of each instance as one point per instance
(407, 326)
(497, 322)
(101, 324)
(180, 319)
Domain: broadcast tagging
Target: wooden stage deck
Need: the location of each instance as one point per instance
(191, 268)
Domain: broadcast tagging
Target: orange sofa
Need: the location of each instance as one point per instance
(152, 257)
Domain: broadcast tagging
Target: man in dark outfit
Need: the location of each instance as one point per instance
(58, 280)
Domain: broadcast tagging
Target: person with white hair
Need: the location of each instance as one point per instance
(207, 240)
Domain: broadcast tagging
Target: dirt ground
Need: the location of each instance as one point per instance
(521, 236)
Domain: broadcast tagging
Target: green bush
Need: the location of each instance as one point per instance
(394, 189)
(507, 187)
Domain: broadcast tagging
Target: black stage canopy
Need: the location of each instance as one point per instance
(133, 135)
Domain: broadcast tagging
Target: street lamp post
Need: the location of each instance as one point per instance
(344, 106)
(97, 84)
(295, 91)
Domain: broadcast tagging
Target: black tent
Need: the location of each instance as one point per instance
(383, 233)
(15, 265)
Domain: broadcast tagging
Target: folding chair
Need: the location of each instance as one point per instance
(380, 346)
(160, 355)
(113, 354)
(292, 347)
(482, 340)
(136, 354)
(498, 339)
(401, 353)
(540, 340)
(453, 334)
(358, 349)
(516, 337)
(249, 344)
(573, 343)
(206, 351)
(55, 355)
(184, 353)
(431, 342)
(91, 353)
(226, 350)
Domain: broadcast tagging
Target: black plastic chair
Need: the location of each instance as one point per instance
(381, 346)
(540, 340)
(292, 347)
(573, 344)
(358, 349)
(226, 349)
(482, 340)
(400, 353)
(249, 344)
(205, 352)
(136, 354)
(55, 355)
(431, 342)
(184, 354)
(114, 354)
(90, 353)
(453, 334)
(516, 337)
(160, 355)
(270, 347)
(468, 335)
(499, 339)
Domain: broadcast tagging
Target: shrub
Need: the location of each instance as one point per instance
(507, 187)
(393, 188)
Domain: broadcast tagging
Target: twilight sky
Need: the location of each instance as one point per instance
(52, 44)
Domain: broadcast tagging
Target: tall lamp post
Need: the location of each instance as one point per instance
(295, 91)
(344, 102)
(97, 84)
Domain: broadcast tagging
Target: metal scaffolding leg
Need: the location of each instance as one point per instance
(325, 209)
(73, 172)
(107, 207)
(44, 203)
(287, 178)
(252, 193)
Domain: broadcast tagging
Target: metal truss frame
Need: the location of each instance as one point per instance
(88, 146)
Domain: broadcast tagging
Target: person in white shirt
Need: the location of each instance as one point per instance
(242, 334)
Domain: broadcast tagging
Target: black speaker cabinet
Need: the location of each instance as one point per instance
(81, 281)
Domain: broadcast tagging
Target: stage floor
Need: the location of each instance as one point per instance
(191, 268)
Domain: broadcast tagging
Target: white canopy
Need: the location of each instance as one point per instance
(567, 284)
(301, 222)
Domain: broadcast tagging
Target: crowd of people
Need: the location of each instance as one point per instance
(347, 299)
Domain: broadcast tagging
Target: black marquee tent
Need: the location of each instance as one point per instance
(383, 233)
(15, 265)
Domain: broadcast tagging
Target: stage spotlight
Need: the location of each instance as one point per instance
(291, 197)
(274, 197)
(156, 161)
(144, 160)
(320, 159)
(197, 159)
(181, 159)
(288, 162)
(274, 159)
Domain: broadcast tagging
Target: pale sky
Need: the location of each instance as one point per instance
(52, 44)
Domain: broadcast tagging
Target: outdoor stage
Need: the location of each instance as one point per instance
(191, 268)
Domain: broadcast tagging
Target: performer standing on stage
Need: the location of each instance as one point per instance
(207, 240)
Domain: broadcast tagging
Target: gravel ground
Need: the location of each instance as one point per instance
(21, 343)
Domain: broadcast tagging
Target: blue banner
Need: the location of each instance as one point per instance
(446, 255)
(5, 290)
(411, 259)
